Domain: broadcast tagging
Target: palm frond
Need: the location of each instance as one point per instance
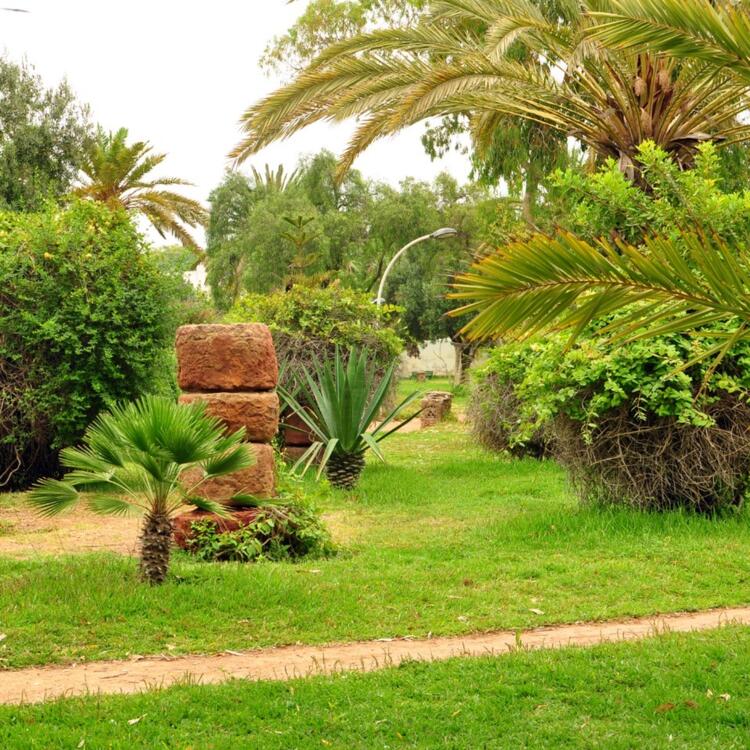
(556, 283)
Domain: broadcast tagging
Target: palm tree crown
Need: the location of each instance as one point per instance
(116, 174)
(136, 458)
(457, 61)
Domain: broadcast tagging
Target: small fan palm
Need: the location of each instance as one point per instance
(116, 172)
(341, 403)
(133, 460)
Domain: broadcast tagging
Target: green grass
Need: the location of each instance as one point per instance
(444, 539)
(662, 693)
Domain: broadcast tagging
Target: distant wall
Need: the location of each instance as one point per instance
(197, 277)
(437, 356)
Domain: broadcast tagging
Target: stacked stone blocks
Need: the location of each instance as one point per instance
(233, 369)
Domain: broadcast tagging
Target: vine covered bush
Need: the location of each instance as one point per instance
(308, 324)
(84, 319)
(630, 425)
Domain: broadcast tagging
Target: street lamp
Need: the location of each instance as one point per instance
(439, 234)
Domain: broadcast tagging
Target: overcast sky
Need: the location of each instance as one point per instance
(179, 73)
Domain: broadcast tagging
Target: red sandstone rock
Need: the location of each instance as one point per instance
(226, 358)
(259, 480)
(258, 413)
(297, 432)
(238, 519)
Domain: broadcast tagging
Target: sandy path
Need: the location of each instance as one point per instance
(25, 534)
(45, 683)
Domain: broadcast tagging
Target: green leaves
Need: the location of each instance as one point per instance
(134, 455)
(339, 403)
(565, 283)
(51, 496)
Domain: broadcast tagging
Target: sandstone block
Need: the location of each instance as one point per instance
(296, 432)
(258, 413)
(226, 358)
(436, 406)
(259, 480)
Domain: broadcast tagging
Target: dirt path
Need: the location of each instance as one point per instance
(46, 683)
(25, 534)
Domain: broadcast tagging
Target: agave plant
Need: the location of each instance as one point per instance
(341, 403)
(134, 459)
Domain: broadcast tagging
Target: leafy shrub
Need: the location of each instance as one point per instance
(606, 203)
(308, 324)
(626, 423)
(84, 317)
(278, 533)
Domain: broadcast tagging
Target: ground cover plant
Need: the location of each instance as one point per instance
(681, 691)
(445, 538)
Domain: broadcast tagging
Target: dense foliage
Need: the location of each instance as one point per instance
(308, 324)
(273, 232)
(635, 423)
(84, 317)
(44, 134)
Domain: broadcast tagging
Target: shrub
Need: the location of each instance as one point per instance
(281, 532)
(84, 317)
(308, 324)
(629, 426)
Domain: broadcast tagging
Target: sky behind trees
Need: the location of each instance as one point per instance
(180, 73)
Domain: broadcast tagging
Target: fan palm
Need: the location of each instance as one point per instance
(133, 460)
(671, 285)
(116, 172)
(455, 62)
(341, 403)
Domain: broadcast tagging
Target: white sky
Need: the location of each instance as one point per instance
(179, 74)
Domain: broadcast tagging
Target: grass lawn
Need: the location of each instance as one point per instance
(676, 691)
(444, 539)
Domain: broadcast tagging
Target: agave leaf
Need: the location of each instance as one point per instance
(330, 448)
(371, 443)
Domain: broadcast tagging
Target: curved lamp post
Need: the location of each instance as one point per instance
(438, 234)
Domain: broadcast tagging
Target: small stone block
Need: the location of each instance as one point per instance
(258, 413)
(226, 358)
(259, 480)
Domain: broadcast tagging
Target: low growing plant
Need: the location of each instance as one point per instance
(341, 403)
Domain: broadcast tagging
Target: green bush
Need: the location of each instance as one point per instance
(308, 324)
(630, 425)
(84, 319)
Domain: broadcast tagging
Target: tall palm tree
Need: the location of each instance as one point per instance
(135, 458)
(456, 61)
(116, 174)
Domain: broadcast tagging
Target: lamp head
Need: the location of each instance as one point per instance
(444, 233)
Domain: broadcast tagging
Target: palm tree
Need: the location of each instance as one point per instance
(457, 61)
(717, 33)
(116, 174)
(135, 459)
(673, 285)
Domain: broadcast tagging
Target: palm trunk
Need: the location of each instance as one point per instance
(156, 546)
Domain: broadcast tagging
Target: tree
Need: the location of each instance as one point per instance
(608, 99)
(135, 458)
(43, 136)
(115, 175)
